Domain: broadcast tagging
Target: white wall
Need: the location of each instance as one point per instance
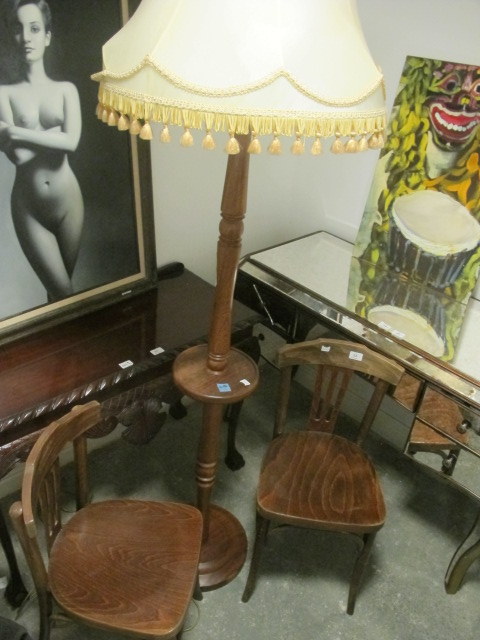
(291, 196)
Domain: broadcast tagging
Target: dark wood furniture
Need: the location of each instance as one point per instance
(316, 478)
(306, 283)
(121, 355)
(442, 412)
(123, 565)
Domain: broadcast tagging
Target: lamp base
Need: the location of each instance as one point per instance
(224, 547)
(235, 382)
(223, 553)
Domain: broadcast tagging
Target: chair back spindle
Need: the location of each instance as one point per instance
(336, 361)
(329, 390)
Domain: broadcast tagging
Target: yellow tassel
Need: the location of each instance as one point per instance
(373, 141)
(165, 135)
(208, 142)
(381, 140)
(338, 146)
(146, 132)
(316, 147)
(232, 147)
(135, 127)
(99, 111)
(112, 119)
(351, 146)
(362, 144)
(275, 147)
(298, 147)
(254, 147)
(187, 139)
(105, 115)
(123, 123)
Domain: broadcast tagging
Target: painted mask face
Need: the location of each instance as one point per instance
(454, 105)
(29, 32)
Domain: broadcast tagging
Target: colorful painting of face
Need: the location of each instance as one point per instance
(421, 223)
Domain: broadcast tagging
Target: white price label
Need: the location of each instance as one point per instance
(325, 348)
(384, 325)
(398, 334)
(156, 351)
(245, 382)
(355, 355)
(125, 364)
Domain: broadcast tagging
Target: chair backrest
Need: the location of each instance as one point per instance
(336, 362)
(41, 486)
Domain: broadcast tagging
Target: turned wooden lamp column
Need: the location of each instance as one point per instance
(216, 375)
(276, 68)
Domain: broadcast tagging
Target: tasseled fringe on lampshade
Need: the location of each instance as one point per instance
(187, 139)
(123, 123)
(298, 147)
(351, 146)
(275, 147)
(362, 144)
(146, 132)
(316, 149)
(208, 143)
(135, 127)
(357, 141)
(344, 125)
(373, 141)
(112, 120)
(338, 146)
(232, 147)
(254, 147)
(376, 141)
(165, 136)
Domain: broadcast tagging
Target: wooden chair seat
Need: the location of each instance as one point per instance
(127, 564)
(318, 481)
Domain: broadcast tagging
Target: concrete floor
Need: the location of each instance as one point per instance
(303, 582)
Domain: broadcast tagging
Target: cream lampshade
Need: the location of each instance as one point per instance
(300, 69)
(284, 68)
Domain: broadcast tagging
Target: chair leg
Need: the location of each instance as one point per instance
(197, 592)
(233, 459)
(359, 570)
(44, 626)
(16, 592)
(261, 530)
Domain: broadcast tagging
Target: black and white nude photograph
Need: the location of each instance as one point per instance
(70, 224)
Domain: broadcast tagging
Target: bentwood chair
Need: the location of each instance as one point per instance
(126, 566)
(315, 478)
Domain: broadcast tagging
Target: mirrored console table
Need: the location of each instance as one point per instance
(318, 280)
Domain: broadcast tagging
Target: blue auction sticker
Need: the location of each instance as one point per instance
(223, 387)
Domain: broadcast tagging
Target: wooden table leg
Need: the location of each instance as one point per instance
(463, 558)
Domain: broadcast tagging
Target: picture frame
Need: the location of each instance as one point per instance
(116, 251)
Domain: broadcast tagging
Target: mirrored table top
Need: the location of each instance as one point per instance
(431, 334)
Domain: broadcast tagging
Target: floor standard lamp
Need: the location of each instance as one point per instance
(249, 68)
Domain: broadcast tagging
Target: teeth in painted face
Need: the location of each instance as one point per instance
(455, 127)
